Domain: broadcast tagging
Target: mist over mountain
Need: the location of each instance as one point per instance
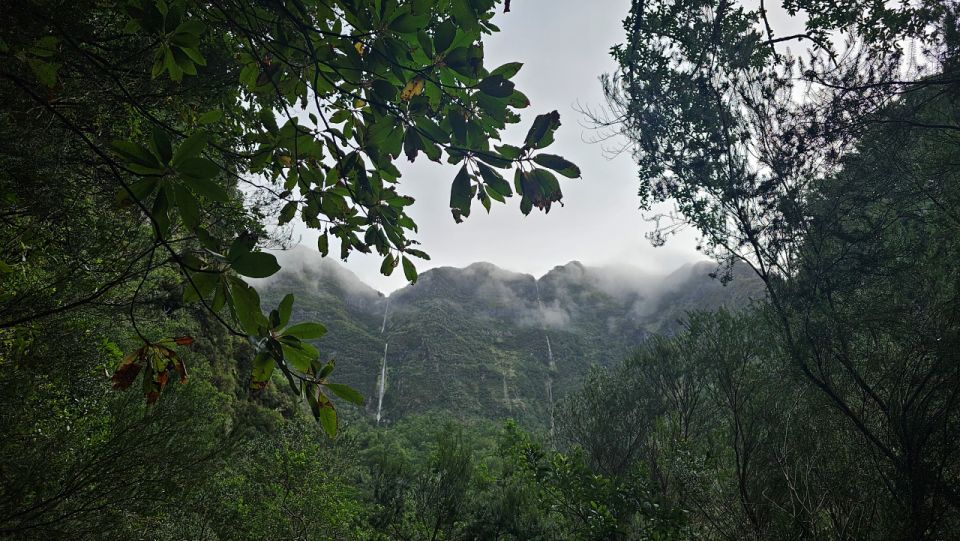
(485, 341)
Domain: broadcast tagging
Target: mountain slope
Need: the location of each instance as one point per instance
(483, 341)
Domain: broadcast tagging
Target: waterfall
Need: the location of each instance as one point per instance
(552, 365)
(383, 382)
(383, 326)
(383, 364)
(549, 351)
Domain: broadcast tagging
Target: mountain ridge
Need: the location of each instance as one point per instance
(483, 341)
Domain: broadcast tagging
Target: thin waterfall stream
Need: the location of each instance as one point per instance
(383, 364)
(552, 366)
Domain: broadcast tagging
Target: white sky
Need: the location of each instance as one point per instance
(564, 45)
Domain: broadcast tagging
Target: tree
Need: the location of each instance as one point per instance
(150, 135)
(837, 199)
(737, 134)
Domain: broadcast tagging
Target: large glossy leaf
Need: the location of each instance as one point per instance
(409, 271)
(256, 264)
(246, 306)
(328, 418)
(306, 331)
(541, 133)
(460, 195)
(191, 147)
(345, 392)
(558, 164)
(263, 366)
(285, 309)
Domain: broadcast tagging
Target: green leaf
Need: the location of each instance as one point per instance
(159, 213)
(170, 63)
(424, 40)
(287, 213)
(184, 62)
(407, 23)
(495, 181)
(549, 184)
(210, 117)
(328, 419)
(197, 168)
(345, 392)
(246, 305)
(431, 150)
(45, 47)
(411, 143)
(409, 270)
(463, 14)
(187, 205)
(244, 243)
(339, 116)
(191, 147)
(256, 264)
(323, 245)
(160, 144)
(526, 205)
(137, 154)
(458, 124)
(494, 160)
(518, 100)
(431, 130)
(209, 189)
(194, 56)
(386, 268)
(541, 133)
(5, 268)
(443, 37)
(263, 365)
(306, 331)
(141, 190)
(205, 282)
(539, 188)
(464, 61)
(45, 72)
(191, 27)
(285, 309)
(508, 70)
(460, 194)
(326, 370)
(509, 151)
(301, 356)
(558, 164)
(417, 253)
(496, 86)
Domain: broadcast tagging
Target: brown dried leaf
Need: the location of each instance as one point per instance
(125, 375)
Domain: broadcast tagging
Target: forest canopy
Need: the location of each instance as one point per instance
(174, 137)
(154, 153)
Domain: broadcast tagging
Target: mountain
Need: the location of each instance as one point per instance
(484, 341)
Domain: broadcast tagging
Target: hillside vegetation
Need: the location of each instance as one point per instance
(472, 342)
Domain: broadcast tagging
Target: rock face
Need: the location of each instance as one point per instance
(484, 341)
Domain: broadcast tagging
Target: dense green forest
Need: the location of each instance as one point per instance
(164, 375)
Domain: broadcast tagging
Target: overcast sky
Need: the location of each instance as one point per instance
(564, 45)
